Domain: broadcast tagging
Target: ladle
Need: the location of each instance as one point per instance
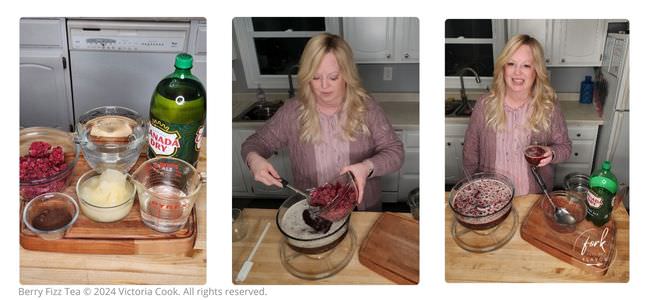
(561, 214)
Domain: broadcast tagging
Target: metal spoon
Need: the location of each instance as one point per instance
(313, 211)
(561, 214)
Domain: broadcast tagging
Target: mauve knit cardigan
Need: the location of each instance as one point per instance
(479, 150)
(381, 146)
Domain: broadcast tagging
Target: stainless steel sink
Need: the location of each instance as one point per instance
(455, 108)
(259, 111)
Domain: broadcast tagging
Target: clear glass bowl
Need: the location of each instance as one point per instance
(111, 137)
(59, 181)
(482, 201)
(336, 199)
(575, 206)
(50, 215)
(105, 214)
(302, 238)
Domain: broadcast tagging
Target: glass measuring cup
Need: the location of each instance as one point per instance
(167, 189)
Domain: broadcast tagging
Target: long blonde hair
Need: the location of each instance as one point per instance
(354, 106)
(544, 97)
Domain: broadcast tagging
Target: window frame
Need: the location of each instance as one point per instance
(498, 40)
(245, 40)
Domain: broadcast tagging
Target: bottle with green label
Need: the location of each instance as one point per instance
(177, 114)
(600, 197)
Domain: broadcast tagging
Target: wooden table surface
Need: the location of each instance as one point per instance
(37, 267)
(268, 269)
(519, 261)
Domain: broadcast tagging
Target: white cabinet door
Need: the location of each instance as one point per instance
(566, 42)
(280, 162)
(44, 91)
(407, 32)
(453, 159)
(383, 40)
(579, 42)
(238, 168)
(410, 171)
(371, 39)
(541, 30)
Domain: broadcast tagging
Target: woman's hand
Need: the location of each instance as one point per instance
(262, 170)
(548, 156)
(360, 172)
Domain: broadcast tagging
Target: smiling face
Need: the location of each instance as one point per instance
(327, 84)
(519, 71)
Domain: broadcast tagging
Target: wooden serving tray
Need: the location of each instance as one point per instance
(127, 236)
(392, 248)
(589, 247)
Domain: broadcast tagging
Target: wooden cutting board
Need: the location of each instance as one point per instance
(392, 248)
(127, 236)
(589, 247)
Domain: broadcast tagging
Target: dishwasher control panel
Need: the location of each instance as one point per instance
(137, 44)
(123, 36)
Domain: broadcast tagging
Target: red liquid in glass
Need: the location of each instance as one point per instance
(534, 154)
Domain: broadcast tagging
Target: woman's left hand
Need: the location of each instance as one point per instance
(548, 156)
(360, 172)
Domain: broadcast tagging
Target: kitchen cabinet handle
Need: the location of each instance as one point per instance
(578, 135)
(563, 60)
(388, 55)
(406, 55)
(448, 144)
(462, 144)
(548, 60)
(575, 154)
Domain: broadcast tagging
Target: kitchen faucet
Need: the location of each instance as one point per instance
(292, 93)
(463, 95)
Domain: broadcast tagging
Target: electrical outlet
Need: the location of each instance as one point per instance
(388, 73)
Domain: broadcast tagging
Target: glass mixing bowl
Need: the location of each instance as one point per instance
(111, 137)
(575, 206)
(482, 201)
(30, 188)
(302, 238)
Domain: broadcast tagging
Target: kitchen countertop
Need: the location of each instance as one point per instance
(402, 110)
(38, 267)
(519, 261)
(574, 112)
(268, 269)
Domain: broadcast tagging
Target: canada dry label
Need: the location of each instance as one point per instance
(593, 200)
(176, 140)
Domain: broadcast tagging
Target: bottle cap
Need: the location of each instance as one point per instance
(183, 61)
(606, 165)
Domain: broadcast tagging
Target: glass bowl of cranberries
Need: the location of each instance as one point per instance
(482, 201)
(47, 158)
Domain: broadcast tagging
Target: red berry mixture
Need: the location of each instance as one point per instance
(42, 161)
(336, 200)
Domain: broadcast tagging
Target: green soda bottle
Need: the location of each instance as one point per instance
(177, 114)
(600, 197)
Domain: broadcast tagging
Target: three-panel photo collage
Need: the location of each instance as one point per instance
(325, 166)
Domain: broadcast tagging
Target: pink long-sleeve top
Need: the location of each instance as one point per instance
(488, 150)
(382, 147)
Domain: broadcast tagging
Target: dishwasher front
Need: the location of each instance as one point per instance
(121, 62)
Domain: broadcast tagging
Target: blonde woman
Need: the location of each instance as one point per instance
(520, 110)
(332, 127)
